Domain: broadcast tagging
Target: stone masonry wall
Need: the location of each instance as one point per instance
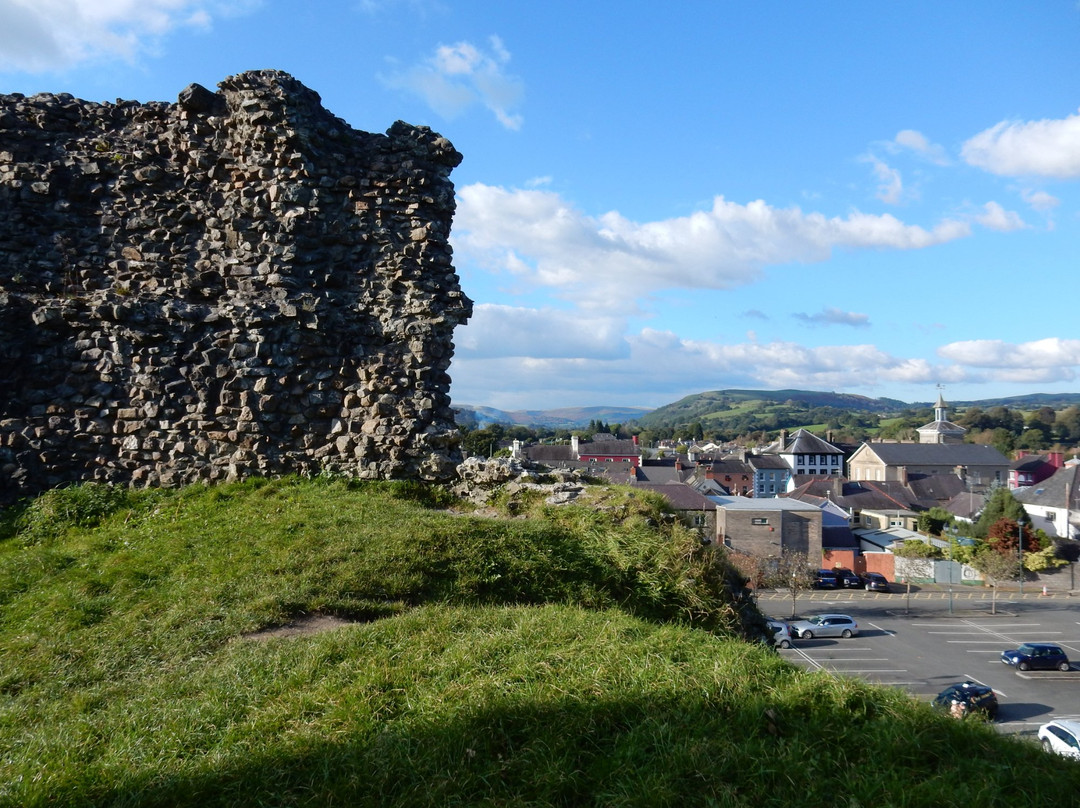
(235, 284)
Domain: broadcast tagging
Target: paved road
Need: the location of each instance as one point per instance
(919, 645)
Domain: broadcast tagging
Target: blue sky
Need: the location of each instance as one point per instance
(865, 197)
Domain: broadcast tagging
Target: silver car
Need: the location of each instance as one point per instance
(825, 625)
(781, 634)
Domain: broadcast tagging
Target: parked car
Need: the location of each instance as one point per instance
(1037, 656)
(968, 698)
(781, 633)
(825, 625)
(826, 579)
(876, 582)
(848, 579)
(1062, 737)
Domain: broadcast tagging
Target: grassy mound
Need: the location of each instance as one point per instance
(583, 656)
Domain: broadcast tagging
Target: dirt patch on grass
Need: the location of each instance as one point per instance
(301, 627)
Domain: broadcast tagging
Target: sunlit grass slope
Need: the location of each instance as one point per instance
(587, 655)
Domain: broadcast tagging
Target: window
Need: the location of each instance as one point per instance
(759, 520)
(1050, 515)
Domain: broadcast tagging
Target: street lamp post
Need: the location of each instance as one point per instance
(1020, 554)
(950, 533)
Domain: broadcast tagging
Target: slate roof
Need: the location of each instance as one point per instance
(681, 496)
(550, 454)
(1050, 493)
(1029, 463)
(938, 454)
(837, 537)
(935, 488)
(662, 474)
(612, 447)
(965, 505)
(767, 462)
(870, 495)
(803, 442)
(732, 467)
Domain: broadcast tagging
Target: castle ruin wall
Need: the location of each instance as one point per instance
(235, 284)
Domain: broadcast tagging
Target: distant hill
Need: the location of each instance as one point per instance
(749, 409)
(563, 418)
(1032, 401)
(719, 405)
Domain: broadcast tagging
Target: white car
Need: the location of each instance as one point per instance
(1061, 736)
(825, 625)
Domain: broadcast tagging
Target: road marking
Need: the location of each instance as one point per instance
(883, 630)
(984, 684)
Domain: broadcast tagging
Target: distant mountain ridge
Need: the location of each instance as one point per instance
(561, 418)
(711, 405)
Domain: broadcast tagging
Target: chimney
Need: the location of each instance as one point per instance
(678, 464)
(783, 439)
(1056, 459)
(574, 446)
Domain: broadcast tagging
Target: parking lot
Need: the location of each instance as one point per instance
(922, 647)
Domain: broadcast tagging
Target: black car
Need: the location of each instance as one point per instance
(876, 582)
(826, 579)
(848, 579)
(1037, 656)
(967, 698)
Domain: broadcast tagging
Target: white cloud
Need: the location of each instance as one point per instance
(43, 35)
(833, 316)
(1053, 352)
(460, 75)
(996, 217)
(1040, 200)
(1049, 148)
(890, 186)
(912, 140)
(508, 331)
(658, 367)
(609, 262)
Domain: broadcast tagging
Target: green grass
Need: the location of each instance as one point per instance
(586, 655)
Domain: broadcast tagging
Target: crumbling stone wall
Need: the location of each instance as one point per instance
(238, 283)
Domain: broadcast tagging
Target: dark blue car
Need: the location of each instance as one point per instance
(1036, 656)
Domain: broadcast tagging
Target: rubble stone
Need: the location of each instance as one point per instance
(239, 283)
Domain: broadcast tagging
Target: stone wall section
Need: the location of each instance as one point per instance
(235, 284)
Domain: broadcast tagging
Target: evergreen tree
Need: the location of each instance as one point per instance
(1001, 504)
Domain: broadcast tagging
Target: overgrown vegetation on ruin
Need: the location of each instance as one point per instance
(590, 654)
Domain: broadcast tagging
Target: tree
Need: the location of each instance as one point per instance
(996, 568)
(792, 571)
(1001, 504)
(914, 550)
(933, 521)
(1004, 536)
